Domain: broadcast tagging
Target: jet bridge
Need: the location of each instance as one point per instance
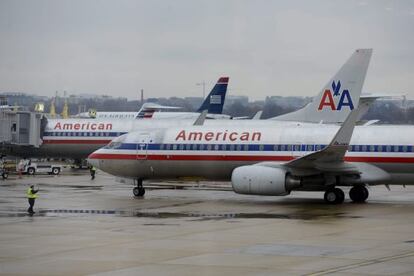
(21, 128)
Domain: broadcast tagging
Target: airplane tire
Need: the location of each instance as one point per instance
(358, 194)
(138, 192)
(334, 196)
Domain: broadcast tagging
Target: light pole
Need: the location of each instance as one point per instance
(204, 88)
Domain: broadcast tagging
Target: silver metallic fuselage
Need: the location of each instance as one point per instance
(145, 154)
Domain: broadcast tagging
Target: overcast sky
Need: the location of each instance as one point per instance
(166, 47)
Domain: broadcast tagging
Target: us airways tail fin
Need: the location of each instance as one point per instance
(215, 100)
(339, 96)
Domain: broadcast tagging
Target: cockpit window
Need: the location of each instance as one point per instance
(114, 145)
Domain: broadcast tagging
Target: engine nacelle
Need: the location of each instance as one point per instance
(261, 180)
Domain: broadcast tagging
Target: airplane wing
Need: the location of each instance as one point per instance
(331, 159)
(334, 152)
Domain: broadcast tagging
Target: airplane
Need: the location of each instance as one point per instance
(146, 111)
(214, 103)
(77, 138)
(265, 158)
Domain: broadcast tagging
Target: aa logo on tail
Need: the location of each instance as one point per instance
(328, 98)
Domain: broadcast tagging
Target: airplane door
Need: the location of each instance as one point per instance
(142, 146)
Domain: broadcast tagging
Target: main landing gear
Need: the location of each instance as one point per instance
(139, 190)
(334, 196)
(358, 194)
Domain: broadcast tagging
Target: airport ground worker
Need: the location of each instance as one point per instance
(93, 172)
(31, 196)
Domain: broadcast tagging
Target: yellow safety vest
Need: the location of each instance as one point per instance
(30, 194)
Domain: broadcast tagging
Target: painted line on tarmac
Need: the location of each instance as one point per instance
(360, 264)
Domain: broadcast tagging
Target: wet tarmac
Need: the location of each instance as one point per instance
(84, 227)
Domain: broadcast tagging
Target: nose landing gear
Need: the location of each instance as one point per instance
(139, 190)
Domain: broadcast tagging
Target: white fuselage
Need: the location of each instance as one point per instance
(213, 151)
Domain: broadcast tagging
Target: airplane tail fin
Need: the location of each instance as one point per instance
(339, 96)
(215, 99)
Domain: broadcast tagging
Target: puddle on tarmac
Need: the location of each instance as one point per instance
(167, 215)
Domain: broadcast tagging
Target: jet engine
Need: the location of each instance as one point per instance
(261, 180)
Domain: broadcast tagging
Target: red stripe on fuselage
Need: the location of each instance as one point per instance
(371, 159)
(71, 142)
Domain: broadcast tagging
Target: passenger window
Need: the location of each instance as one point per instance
(388, 148)
(282, 147)
(246, 147)
(188, 147)
(194, 146)
(167, 146)
(309, 147)
(239, 147)
(175, 147)
(181, 146)
(404, 148)
(275, 148)
(232, 147)
(208, 147)
(261, 147)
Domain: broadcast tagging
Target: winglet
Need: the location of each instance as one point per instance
(336, 149)
(257, 115)
(200, 119)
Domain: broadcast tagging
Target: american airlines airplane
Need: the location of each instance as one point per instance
(214, 103)
(272, 159)
(77, 138)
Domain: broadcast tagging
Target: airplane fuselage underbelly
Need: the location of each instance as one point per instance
(218, 170)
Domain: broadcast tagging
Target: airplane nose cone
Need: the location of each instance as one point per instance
(93, 162)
